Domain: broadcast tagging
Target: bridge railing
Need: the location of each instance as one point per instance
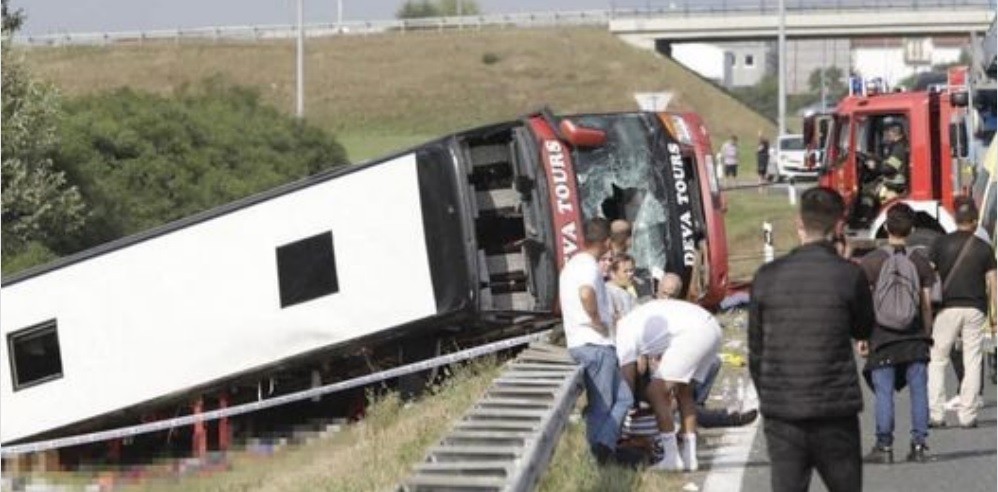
(595, 18)
(740, 7)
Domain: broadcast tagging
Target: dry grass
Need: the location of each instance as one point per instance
(372, 455)
(414, 84)
(572, 468)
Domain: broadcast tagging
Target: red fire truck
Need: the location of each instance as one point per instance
(935, 124)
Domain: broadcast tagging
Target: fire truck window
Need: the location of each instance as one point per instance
(617, 180)
(34, 355)
(842, 150)
(306, 269)
(981, 188)
(865, 140)
(989, 216)
(880, 123)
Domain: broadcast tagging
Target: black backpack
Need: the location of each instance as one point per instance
(896, 295)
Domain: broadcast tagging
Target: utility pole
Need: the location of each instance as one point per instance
(824, 90)
(339, 15)
(781, 46)
(300, 65)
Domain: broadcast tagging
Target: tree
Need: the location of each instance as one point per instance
(11, 20)
(762, 97)
(142, 159)
(415, 9)
(458, 7)
(37, 204)
(834, 81)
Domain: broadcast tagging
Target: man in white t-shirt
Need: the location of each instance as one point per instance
(588, 323)
(680, 340)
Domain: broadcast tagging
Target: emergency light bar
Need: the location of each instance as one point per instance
(871, 87)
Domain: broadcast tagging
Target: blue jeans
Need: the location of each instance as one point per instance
(608, 395)
(918, 389)
(701, 389)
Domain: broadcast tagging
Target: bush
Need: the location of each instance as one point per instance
(141, 160)
(490, 58)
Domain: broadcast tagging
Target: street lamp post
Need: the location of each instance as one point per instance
(339, 15)
(300, 63)
(781, 43)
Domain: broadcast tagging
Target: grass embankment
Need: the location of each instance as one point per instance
(383, 92)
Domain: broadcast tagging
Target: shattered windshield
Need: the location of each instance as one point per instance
(618, 180)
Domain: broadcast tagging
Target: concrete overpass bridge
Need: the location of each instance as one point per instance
(746, 20)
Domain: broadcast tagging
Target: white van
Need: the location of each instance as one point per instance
(790, 161)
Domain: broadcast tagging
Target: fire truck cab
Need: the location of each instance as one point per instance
(934, 124)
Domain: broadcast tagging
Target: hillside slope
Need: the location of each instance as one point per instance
(380, 91)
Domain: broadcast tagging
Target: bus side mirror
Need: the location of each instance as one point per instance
(580, 136)
(958, 140)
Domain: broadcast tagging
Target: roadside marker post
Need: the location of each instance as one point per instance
(767, 239)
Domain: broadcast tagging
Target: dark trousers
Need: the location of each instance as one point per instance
(830, 446)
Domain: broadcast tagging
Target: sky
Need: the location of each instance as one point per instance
(78, 16)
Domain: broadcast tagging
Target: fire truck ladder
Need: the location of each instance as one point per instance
(506, 440)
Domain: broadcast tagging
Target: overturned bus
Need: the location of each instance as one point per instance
(458, 237)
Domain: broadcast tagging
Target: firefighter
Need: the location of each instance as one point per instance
(886, 176)
(892, 168)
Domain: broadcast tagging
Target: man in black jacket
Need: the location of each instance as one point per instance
(805, 308)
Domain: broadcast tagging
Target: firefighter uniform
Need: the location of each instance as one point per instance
(893, 170)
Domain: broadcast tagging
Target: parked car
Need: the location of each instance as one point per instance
(790, 162)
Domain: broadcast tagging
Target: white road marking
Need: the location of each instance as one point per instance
(727, 462)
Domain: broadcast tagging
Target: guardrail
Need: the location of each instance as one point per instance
(598, 18)
(506, 440)
(62, 442)
(594, 18)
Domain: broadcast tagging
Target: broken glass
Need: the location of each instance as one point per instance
(618, 181)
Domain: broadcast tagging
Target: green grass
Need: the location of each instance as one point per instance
(399, 88)
(747, 210)
(360, 146)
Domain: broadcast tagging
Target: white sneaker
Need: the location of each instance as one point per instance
(953, 404)
(688, 452)
(668, 464)
(671, 461)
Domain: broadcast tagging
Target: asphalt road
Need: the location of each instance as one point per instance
(963, 460)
